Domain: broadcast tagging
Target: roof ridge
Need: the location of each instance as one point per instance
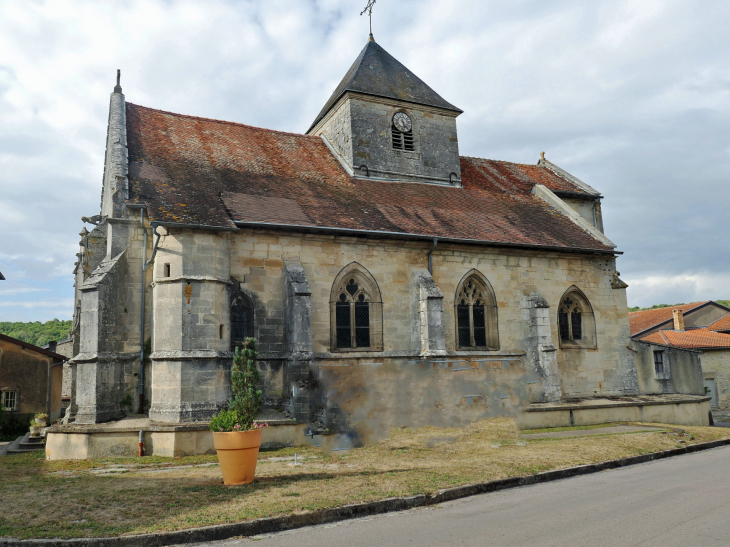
(498, 161)
(674, 306)
(226, 122)
(664, 337)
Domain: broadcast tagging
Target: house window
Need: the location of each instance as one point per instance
(476, 314)
(167, 270)
(659, 362)
(10, 400)
(401, 129)
(356, 310)
(576, 322)
(241, 319)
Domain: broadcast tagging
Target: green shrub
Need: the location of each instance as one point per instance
(246, 401)
(11, 426)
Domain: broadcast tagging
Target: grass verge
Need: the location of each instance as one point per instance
(67, 499)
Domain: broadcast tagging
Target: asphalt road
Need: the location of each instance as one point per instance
(680, 501)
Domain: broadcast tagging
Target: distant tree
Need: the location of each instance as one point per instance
(725, 303)
(37, 333)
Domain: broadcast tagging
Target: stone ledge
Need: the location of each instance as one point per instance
(617, 401)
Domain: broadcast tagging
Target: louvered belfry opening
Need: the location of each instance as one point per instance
(401, 140)
(356, 312)
(576, 323)
(476, 314)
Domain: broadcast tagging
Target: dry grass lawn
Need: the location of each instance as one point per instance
(71, 499)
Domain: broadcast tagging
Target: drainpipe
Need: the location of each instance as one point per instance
(145, 265)
(430, 264)
(50, 386)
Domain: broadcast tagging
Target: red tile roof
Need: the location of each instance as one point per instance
(690, 339)
(646, 319)
(721, 324)
(207, 172)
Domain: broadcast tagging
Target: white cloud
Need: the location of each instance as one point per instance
(632, 97)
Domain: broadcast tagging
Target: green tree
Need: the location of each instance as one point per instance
(37, 333)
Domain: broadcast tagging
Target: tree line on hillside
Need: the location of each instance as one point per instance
(37, 333)
(725, 303)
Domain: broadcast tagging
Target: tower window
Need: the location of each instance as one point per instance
(402, 131)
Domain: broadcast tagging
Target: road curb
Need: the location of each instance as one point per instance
(345, 512)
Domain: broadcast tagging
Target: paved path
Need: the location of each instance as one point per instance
(679, 501)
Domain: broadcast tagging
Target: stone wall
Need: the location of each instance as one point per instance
(716, 364)
(257, 260)
(682, 370)
(191, 326)
(360, 131)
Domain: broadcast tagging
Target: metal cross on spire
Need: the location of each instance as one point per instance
(369, 10)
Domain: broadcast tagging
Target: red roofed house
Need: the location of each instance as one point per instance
(703, 327)
(388, 280)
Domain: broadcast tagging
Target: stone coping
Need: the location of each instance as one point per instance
(586, 403)
(136, 424)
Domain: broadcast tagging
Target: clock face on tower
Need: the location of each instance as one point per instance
(402, 122)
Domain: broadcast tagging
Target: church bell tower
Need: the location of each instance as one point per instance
(383, 122)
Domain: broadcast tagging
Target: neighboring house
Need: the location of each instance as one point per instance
(24, 372)
(696, 315)
(388, 279)
(693, 327)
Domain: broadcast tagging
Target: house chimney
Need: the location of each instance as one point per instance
(678, 319)
(52, 345)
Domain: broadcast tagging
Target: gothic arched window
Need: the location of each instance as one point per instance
(357, 311)
(576, 323)
(476, 313)
(241, 319)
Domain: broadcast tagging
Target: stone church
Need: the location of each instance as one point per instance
(388, 280)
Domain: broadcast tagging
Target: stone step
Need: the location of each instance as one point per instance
(35, 440)
(31, 446)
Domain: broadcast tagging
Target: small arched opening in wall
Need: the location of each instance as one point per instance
(356, 311)
(576, 321)
(401, 130)
(475, 313)
(242, 318)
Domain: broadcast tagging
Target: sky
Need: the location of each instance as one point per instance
(633, 97)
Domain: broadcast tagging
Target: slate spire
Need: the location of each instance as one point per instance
(376, 72)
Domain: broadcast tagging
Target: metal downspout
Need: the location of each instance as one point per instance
(145, 265)
(141, 321)
(430, 264)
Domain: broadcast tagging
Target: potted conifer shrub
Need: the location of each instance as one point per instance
(236, 435)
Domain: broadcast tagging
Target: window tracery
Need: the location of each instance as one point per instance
(576, 324)
(356, 311)
(476, 314)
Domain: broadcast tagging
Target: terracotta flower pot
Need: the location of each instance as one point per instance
(237, 454)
